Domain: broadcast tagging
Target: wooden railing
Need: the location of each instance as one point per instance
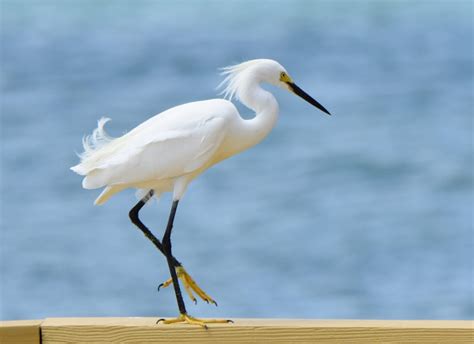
(145, 330)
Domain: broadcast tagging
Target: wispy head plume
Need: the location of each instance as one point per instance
(234, 76)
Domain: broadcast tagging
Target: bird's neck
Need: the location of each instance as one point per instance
(265, 106)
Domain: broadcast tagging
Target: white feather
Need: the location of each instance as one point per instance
(237, 77)
(96, 140)
(169, 150)
(149, 150)
(233, 78)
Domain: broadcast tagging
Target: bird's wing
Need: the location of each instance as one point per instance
(148, 154)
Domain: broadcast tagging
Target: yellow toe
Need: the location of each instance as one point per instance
(187, 319)
(190, 286)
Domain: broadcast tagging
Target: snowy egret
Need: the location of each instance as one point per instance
(166, 152)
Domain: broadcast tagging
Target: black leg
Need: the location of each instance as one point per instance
(169, 256)
(137, 222)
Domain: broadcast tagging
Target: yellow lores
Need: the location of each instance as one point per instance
(284, 77)
(169, 150)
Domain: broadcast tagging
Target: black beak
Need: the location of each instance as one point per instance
(298, 91)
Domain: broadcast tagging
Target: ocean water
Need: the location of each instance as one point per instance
(365, 214)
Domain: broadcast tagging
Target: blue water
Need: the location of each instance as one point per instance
(365, 214)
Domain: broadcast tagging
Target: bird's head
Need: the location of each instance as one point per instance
(281, 78)
(264, 70)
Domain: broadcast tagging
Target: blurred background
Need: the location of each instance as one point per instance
(365, 214)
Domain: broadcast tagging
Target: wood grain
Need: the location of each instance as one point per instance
(20, 332)
(144, 330)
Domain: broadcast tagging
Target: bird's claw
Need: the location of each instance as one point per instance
(165, 284)
(187, 319)
(189, 285)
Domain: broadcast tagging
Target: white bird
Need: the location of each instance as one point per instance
(166, 152)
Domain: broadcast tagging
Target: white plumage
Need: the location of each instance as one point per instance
(166, 152)
(169, 150)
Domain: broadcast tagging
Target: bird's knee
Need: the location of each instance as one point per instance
(133, 215)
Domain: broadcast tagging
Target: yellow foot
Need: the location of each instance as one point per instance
(189, 285)
(186, 319)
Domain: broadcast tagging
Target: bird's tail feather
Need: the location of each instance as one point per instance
(96, 140)
(108, 192)
(92, 143)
